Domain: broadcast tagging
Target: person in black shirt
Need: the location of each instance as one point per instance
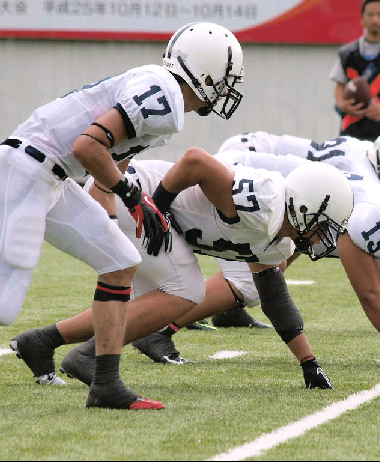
(360, 57)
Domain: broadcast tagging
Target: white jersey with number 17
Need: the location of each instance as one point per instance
(148, 98)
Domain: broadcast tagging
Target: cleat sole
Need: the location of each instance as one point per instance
(146, 404)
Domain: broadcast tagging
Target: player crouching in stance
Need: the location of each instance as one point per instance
(233, 212)
(93, 130)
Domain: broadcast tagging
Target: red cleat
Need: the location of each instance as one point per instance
(146, 403)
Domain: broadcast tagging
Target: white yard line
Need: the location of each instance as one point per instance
(227, 354)
(283, 434)
(292, 282)
(5, 351)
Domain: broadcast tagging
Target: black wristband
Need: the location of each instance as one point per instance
(129, 193)
(122, 189)
(163, 198)
(309, 363)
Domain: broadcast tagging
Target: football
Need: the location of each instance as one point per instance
(358, 89)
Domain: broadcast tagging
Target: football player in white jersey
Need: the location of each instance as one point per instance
(358, 248)
(93, 130)
(346, 153)
(233, 212)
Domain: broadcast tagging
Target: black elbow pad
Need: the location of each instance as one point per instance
(277, 303)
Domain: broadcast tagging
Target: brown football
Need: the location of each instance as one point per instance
(358, 89)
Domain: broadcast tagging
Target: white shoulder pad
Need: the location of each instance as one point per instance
(364, 228)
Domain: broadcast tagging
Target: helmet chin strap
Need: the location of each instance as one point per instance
(204, 111)
(303, 244)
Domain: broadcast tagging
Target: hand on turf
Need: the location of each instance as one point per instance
(314, 375)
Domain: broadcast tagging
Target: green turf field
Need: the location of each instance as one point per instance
(212, 405)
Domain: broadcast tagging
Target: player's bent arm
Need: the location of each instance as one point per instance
(364, 275)
(197, 167)
(279, 307)
(91, 148)
(106, 199)
(104, 196)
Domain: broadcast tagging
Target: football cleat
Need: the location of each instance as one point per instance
(50, 379)
(160, 348)
(146, 403)
(32, 347)
(116, 395)
(237, 317)
(260, 325)
(202, 324)
(79, 363)
(174, 359)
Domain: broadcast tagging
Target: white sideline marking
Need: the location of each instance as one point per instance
(227, 354)
(270, 440)
(293, 282)
(5, 351)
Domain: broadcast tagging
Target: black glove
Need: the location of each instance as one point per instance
(154, 245)
(145, 213)
(173, 222)
(314, 375)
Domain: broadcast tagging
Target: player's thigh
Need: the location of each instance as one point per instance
(26, 193)
(80, 227)
(239, 274)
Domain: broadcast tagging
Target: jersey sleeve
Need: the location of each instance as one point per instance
(149, 106)
(259, 198)
(278, 251)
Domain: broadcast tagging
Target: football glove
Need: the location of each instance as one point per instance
(173, 222)
(145, 213)
(314, 375)
(163, 200)
(154, 245)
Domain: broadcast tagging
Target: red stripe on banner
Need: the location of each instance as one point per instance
(313, 21)
(114, 291)
(309, 22)
(85, 35)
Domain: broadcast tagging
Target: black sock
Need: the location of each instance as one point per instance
(52, 336)
(106, 369)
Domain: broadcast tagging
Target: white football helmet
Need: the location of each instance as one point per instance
(373, 155)
(202, 49)
(318, 199)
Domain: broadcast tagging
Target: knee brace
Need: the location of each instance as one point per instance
(106, 293)
(277, 303)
